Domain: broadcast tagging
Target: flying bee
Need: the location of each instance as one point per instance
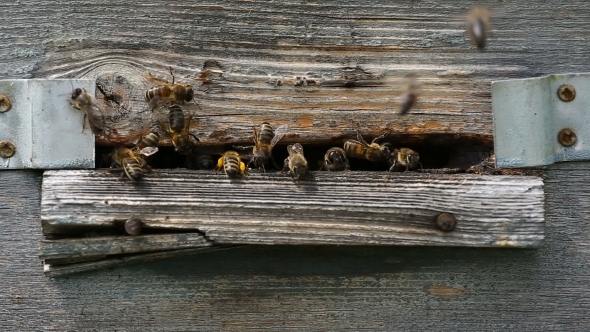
(335, 160)
(296, 164)
(374, 152)
(265, 139)
(404, 157)
(83, 101)
(166, 92)
(178, 129)
(132, 162)
(478, 26)
(408, 99)
(231, 163)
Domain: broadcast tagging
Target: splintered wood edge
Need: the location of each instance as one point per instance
(51, 270)
(342, 208)
(114, 245)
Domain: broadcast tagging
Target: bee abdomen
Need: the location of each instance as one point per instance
(132, 169)
(151, 139)
(96, 120)
(157, 91)
(353, 149)
(231, 165)
(478, 33)
(176, 118)
(266, 133)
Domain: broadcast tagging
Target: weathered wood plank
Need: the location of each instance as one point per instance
(317, 41)
(116, 245)
(347, 208)
(263, 287)
(53, 269)
(343, 287)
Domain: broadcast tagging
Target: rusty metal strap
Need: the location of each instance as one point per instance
(39, 129)
(543, 120)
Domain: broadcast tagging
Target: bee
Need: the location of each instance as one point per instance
(231, 163)
(150, 140)
(167, 92)
(295, 163)
(196, 160)
(335, 160)
(83, 101)
(372, 152)
(205, 161)
(132, 162)
(404, 157)
(178, 129)
(478, 26)
(409, 97)
(265, 139)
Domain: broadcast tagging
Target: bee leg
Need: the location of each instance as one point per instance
(199, 106)
(380, 137)
(392, 168)
(84, 123)
(170, 69)
(195, 137)
(360, 138)
(286, 166)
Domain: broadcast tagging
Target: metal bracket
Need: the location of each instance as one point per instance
(44, 129)
(543, 120)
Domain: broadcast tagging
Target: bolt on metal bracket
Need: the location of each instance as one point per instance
(42, 126)
(543, 120)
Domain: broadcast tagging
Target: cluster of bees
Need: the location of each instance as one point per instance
(169, 96)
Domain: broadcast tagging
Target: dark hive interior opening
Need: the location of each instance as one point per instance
(436, 152)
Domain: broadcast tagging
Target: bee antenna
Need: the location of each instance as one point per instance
(170, 69)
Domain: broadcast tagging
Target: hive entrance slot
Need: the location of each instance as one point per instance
(436, 152)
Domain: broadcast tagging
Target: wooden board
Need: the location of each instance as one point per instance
(406, 288)
(357, 55)
(341, 288)
(330, 208)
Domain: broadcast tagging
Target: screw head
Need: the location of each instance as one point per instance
(446, 222)
(133, 226)
(567, 137)
(566, 92)
(7, 149)
(5, 103)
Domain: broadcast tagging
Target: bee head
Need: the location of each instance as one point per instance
(183, 145)
(189, 93)
(386, 149)
(335, 157)
(413, 159)
(299, 171)
(76, 93)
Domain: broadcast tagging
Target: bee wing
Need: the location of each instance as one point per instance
(148, 151)
(151, 79)
(279, 133)
(161, 116)
(297, 148)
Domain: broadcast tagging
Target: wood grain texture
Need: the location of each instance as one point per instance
(115, 245)
(341, 287)
(332, 208)
(259, 42)
(264, 287)
(57, 267)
